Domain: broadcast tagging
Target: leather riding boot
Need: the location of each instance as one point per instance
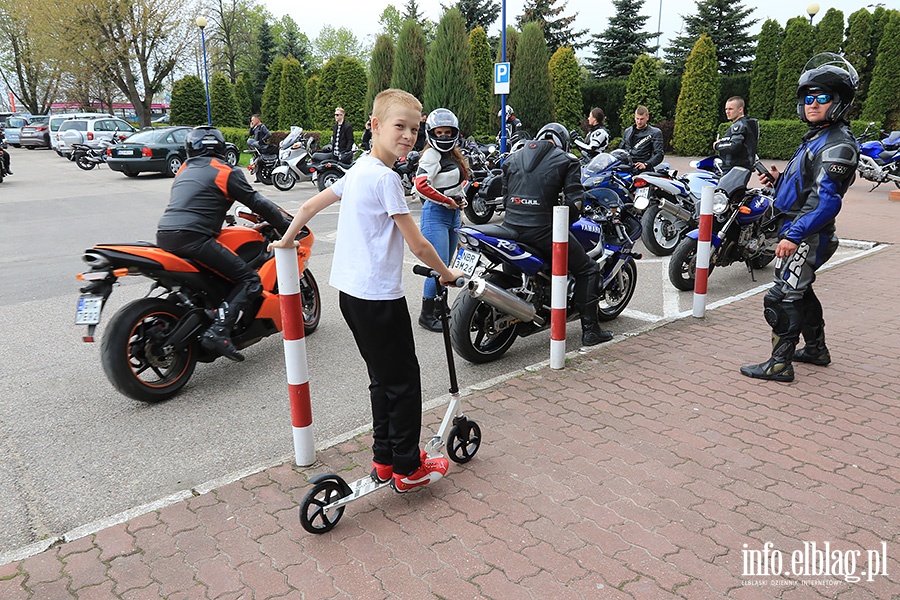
(591, 334)
(814, 352)
(218, 337)
(587, 298)
(778, 367)
(428, 317)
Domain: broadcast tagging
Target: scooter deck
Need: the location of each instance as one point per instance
(358, 489)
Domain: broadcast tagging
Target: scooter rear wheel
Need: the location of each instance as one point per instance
(327, 489)
(463, 441)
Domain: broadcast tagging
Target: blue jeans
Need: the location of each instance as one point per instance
(438, 225)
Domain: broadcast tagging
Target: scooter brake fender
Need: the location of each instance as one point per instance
(695, 235)
(282, 170)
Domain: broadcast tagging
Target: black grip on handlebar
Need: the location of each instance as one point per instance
(429, 272)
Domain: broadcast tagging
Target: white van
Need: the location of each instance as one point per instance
(57, 120)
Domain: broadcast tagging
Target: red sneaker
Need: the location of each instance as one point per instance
(430, 470)
(384, 473)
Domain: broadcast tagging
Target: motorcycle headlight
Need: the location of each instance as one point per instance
(720, 203)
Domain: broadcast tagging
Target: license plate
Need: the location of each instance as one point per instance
(466, 261)
(126, 153)
(89, 308)
(642, 192)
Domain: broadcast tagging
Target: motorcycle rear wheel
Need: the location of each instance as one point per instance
(468, 323)
(133, 357)
(616, 297)
(326, 180)
(83, 162)
(661, 231)
(283, 181)
(683, 265)
(478, 211)
(312, 302)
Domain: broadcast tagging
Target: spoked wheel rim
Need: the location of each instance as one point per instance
(329, 179)
(667, 230)
(484, 340)
(152, 364)
(313, 516)
(616, 297)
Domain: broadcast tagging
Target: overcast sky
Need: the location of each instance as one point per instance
(361, 16)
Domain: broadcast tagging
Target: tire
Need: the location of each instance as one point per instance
(231, 157)
(661, 231)
(478, 211)
(30, 147)
(312, 302)
(327, 179)
(129, 346)
(129, 173)
(469, 318)
(265, 176)
(284, 181)
(617, 295)
(82, 161)
(173, 163)
(683, 265)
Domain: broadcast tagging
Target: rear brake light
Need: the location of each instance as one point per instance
(90, 135)
(146, 152)
(109, 151)
(639, 183)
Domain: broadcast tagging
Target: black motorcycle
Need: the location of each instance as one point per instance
(89, 156)
(326, 168)
(406, 167)
(264, 161)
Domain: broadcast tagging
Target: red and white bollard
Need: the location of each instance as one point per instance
(559, 284)
(704, 249)
(295, 361)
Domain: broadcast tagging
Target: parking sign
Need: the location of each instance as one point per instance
(501, 78)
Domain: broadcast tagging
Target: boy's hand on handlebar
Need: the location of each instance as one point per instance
(455, 275)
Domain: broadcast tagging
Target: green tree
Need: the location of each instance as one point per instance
(333, 42)
(697, 117)
(312, 95)
(564, 76)
(272, 92)
(557, 29)
(858, 51)
(409, 60)
(642, 89)
(830, 32)
(292, 105)
(881, 105)
(765, 70)
(294, 43)
(530, 90)
(622, 41)
(795, 52)
(265, 53)
(380, 68)
(188, 104)
(325, 100)
(390, 22)
(725, 22)
(242, 98)
(222, 102)
(28, 64)
(448, 72)
(350, 92)
(512, 42)
(477, 13)
(482, 75)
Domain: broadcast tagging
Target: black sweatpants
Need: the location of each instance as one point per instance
(383, 333)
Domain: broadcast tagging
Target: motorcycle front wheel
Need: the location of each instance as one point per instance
(616, 296)
(83, 161)
(283, 181)
(473, 328)
(478, 211)
(134, 356)
(661, 231)
(683, 265)
(312, 302)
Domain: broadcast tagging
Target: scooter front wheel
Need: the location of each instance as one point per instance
(283, 181)
(463, 441)
(327, 490)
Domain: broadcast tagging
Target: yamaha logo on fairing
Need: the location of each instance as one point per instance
(590, 227)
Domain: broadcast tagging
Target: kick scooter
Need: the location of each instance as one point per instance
(323, 506)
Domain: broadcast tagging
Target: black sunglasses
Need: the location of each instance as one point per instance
(820, 98)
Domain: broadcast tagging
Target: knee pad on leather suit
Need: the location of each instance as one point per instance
(783, 317)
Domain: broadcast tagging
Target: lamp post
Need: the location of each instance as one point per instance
(201, 23)
(812, 10)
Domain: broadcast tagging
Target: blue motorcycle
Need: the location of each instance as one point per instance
(744, 229)
(879, 160)
(509, 283)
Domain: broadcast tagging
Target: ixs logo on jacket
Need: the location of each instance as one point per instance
(526, 201)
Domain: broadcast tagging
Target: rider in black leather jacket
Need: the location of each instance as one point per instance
(533, 179)
(643, 141)
(737, 148)
(204, 189)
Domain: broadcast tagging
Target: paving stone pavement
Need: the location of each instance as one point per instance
(647, 468)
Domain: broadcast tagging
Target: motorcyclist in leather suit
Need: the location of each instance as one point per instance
(643, 141)
(737, 148)
(809, 193)
(533, 179)
(204, 189)
(4, 156)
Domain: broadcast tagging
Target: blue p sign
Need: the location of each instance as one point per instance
(501, 78)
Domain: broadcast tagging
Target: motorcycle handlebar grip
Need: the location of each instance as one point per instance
(428, 272)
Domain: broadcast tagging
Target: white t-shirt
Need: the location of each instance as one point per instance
(368, 253)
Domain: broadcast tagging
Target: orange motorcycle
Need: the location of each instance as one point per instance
(152, 345)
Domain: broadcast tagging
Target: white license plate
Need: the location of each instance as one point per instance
(466, 261)
(89, 308)
(127, 152)
(642, 192)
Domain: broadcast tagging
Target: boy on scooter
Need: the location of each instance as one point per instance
(367, 269)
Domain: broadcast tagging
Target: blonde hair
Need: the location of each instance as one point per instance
(391, 98)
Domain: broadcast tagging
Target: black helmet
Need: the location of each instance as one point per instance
(831, 74)
(557, 133)
(441, 117)
(205, 141)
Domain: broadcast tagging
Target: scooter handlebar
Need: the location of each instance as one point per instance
(429, 272)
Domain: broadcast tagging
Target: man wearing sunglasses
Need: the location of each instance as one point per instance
(342, 137)
(809, 195)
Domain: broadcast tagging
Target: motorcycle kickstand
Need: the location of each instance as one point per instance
(750, 270)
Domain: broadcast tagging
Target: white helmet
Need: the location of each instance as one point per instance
(509, 111)
(441, 117)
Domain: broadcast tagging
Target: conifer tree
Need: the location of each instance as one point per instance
(564, 77)
(512, 42)
(265, 48)
(292, 104)
(188, 104)
(881, 104)
(242, 97)
(449, 82)
(858, 51)
(222, 102)
(725, 22)
(350, 92)
(697, 116)
(325, 101)
(312, 96)
(269, 103)
(622, 41)
(477, 13)
(765, 70)
(530, 91)
(409, 60)
(381, 65)
(830, 32)
(482, 75)
(795, 52)
(557, 29)
(642, 89)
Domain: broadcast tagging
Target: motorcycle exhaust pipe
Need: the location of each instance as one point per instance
(500, 299)
(676, 211)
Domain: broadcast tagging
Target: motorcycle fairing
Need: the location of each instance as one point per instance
(145, 256)
(670, 186)
(695, 235)
(503, 248)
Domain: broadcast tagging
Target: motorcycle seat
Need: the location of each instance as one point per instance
(496, 230)
(892, 142)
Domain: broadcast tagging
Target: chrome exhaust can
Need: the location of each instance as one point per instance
(500, 299)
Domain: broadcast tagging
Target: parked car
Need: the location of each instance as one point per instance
(57, 120)
(36, 134)
(91, 131)
(156, 149)
(14, 123)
